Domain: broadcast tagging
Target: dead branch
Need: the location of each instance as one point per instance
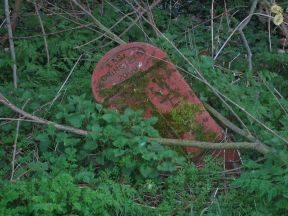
(259, 147)
(40, 120)
(15, 146)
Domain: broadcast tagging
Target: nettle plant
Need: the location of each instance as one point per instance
(116, 140)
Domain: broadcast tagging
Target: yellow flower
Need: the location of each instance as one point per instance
(276, 9)
(278, 19)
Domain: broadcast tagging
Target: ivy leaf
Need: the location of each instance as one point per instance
(111, 117)
(166, 167)
(38, 166)
(44, 141)
(90, 145)
(76, 120)
(147, 171)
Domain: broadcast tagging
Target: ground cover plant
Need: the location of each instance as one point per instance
(117, 169)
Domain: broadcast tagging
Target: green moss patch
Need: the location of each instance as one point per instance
(181, 119)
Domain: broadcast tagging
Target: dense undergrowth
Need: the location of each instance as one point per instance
(116, 170)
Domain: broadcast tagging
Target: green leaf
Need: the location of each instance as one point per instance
(90, 145)
(76, 120)
(166, 167)
(147, 171)
(44, 141)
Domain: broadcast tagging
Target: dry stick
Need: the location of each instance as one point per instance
(241, 25)
(249, 56)
(39, 120)
(54, 33)
(277, 100)
(229, 124)
(102, 35)
(134, 21)
(259, 147)
(76, 22)
(99, 24)
(269, 32)
(249, 53)
(144, 10)
(2, 23)
(11, 42)
(64, 83)
(15, 146)
(149, 14)
(43, 32)
(212, 28)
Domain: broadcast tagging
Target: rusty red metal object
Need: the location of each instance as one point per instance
(139, 75)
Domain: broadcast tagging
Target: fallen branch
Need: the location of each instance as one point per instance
(40, 120)
(229, 124)
(257, 146)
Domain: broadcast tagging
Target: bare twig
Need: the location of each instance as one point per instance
(54, 33)
(11, 42)
(40, 120)
(64, 83)
(43, 32)
(261, 148)
(99, 24)
(15, 146)
(249, 53)
(229, 124)
(102, 35)
(240, 27)
(212, 28)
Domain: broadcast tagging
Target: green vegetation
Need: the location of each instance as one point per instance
(116, 170)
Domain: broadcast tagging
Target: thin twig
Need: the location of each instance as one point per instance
(11, 42)
(43, 33)
(102, 35)
(240, 26)
(64, 83)
(229, 124)
(212, 28)
(261, 148)
(99, 24)
(15, 146)
(40, 120)
(54, 33)
(249, 53)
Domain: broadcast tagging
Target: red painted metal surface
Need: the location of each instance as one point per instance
(128, 60)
